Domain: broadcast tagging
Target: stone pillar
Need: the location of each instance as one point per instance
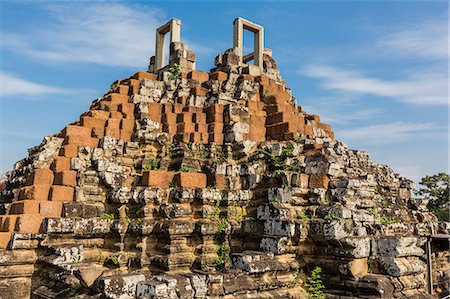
(239, 25)
(174, 27)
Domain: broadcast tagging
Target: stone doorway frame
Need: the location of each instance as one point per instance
(239, 25)
(174, 27)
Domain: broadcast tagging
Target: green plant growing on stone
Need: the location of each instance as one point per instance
(267, 154)
(221, 256)
(299, 138)
(287, 151)
(153, 164)
(374, 212)
(175, 152)
(187, 169)
(388, 221)
(109, 216)
(277, 201)
(303, 216)
(175, 72)
(296, 277)
(111, 259)
(172, 184)
(332, 216)
(315, 285)
(216, 212)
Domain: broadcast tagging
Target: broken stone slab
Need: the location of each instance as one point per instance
(398, 246)
(119, 286)
(399, 266)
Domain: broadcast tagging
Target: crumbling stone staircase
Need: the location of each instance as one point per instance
(204, 186)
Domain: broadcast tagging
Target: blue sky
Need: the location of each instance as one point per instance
(377, 71)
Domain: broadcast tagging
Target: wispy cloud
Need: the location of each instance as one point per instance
(425, 88)
(11, 85)
(388, 133)
(426, 40)
(103, 33)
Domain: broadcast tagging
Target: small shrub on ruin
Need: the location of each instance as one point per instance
(315, 285)
(175, 72)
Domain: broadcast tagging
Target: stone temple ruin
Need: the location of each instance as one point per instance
(179, 183)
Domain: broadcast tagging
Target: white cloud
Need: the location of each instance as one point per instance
(428, 87)
(426, 40)
(387, 133)
(11, 85)
(104, 33)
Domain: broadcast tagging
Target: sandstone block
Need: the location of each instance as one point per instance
(113, 123)
(35, 192)
(50, 209)
(220, 76)
(42, 176)
(69, 151)
(24, 207)
(100, 114)
(61, 193)
(190, 180)
(127, 109)
(30, 224)
(125, 135)
(198, 75)
(114, 133)
(318, 180)
(4, 239)
(8, 223)
(117, 98)
(93, 122)
(161, 179)
(60, 164)
(81, 141)
(76, 130)
(144, 75)
(66, 178)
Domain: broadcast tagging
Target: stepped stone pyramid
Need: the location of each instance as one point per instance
(179, 183)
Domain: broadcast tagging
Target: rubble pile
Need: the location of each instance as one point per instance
(203, 185)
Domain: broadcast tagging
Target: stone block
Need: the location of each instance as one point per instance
(72, 209)
(127, 109)
(81, 141)
(359, 267)
(35, 192)
(190, 180)
(60, 164)
(117, 98)
(127, 124)
(5, 237)
(66, 178)
(76, 131)
(50, 209)
(220, 76)
(153, 178)
(263, 80)
(125, 135)
(8, 223)
(42, 176)
(198, 75)
(100, 114)
(61, 193)
(30, 224)
(114, 133)
(93, 122)
(24, 207)
(69, 151)
(318, 180)
(113, 123)
(116, 114)
(120, 286)
(144, 75)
